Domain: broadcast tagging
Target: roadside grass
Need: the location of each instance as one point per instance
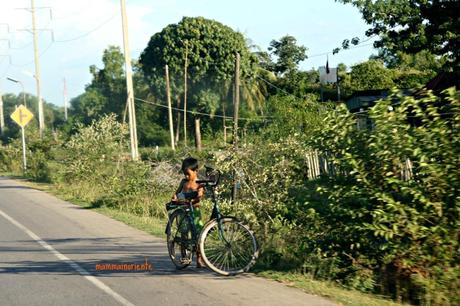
(156, 226)
(151, 225)
(327, 289)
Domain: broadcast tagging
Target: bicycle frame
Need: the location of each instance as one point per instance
(190, 214)
(217, 215)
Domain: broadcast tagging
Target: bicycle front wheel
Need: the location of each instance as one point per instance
(229, 248)
(179, 239)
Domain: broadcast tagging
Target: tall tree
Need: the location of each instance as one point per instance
(107, 94)
(211, 49)
(371, 75)
(288, 54)
(107, 91)
(413, 26)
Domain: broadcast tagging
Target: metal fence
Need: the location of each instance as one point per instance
(322, 164)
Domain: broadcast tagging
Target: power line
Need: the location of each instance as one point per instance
(7, 68)
(351, 48)
(22, 47)
(40, 55)
(277, 87)
(358, 45)
(204, 114)
(273, 85)
(89, 32)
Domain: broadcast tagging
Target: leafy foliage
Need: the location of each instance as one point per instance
(413, 26)
(95, 147)
(401, 230)
(371, 75)
(288, 54)
(211, 50)
(364, 224)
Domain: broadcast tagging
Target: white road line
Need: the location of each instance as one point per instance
(70, 262)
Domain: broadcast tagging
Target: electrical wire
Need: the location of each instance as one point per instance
(359, 45)
(274, 86)
(351, 48)
(204, 114)
(22, 47)
(7, 68)
(89, 32)
(40, 55)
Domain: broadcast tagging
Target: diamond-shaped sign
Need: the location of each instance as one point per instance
(22, 116)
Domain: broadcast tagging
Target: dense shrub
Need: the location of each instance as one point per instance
(366, 224)
(11, 158)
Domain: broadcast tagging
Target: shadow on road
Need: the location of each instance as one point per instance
(88, 253)
(16, 187)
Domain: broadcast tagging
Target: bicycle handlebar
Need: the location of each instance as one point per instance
(213, 174)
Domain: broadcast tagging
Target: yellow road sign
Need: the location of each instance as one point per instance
(22, 116)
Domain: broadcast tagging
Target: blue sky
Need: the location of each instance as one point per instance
(83, 29)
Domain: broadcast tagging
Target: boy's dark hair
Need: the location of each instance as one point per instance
(189, 163)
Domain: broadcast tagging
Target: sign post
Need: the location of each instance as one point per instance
(22, 116)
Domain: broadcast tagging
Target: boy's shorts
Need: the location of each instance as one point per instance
(198, 220)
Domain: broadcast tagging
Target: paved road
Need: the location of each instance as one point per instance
(49, 250)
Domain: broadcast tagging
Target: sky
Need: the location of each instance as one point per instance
(83, 29)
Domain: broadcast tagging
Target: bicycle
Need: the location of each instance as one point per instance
(227, 246)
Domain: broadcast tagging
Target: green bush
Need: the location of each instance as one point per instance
(37, 167)
(376, 219)
(365, 225)
(11, 159)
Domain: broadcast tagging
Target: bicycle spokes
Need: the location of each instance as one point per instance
(230, 247)
(180, 240)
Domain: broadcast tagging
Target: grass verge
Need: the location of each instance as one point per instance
(327, 289)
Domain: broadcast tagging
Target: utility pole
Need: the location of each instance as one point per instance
(185, 93)
(41, 120)
(129, 84)
(2, 118)
(224, 121)
(168, 95)
(338, 85)
(178, 119)
(65, 99)
(236, 104)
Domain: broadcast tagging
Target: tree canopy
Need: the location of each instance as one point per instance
(210, 47)
(413, 26)
(288, 54)
(371, 75)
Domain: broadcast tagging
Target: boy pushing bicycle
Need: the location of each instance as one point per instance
(189, 189)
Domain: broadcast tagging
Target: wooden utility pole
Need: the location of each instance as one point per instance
(2, 118)
(338, 85)
(185, 92)
(129, 84)
(65, 99)
(168, 96)
(224, 119)
(236, 104)
(197, 134)
(178, 120)
(41, 120)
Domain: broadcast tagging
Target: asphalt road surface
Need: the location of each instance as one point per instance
(49, 251)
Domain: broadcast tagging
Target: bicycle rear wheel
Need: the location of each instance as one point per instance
(179, 239)
(228, 249)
